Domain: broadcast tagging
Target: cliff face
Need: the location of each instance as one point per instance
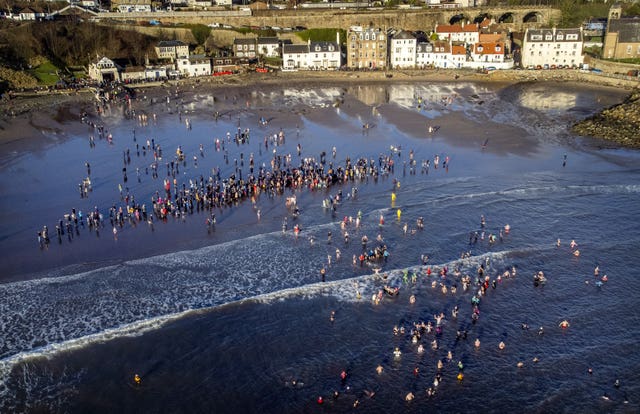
(619, 123)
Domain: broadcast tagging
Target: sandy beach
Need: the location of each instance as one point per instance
(29, 112)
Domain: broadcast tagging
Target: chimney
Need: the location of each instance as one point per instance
(338, 37)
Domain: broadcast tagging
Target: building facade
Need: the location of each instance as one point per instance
(194, 65)
(467, 34)
(435, 54)
(172, 49)
(269, 46)
(245, 48)
(104, 70)
(312, 56)
(403, 50)
(488, 52)
(548, 48)
(622, 37)
(367, 48)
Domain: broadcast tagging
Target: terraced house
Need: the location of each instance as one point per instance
(552, 48)
(366, 48)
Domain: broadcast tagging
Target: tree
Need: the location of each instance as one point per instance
(200, 32)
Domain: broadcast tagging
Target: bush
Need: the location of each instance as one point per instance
(17, 79)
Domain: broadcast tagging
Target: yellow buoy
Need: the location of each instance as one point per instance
(137, 379)
(460, 376)
(393, 196)
(399, 213)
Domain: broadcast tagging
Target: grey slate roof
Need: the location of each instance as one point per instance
(295, 48)
(628, 29)
(171, 43)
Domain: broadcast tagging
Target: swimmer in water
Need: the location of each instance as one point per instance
(397, 353)
(379, 369)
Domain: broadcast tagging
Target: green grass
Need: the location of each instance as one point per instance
(46, 74)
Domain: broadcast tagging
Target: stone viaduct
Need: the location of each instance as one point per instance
(515, 18)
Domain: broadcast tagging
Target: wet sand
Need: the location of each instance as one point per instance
(27, 113)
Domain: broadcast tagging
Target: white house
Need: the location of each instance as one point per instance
(403, 50)
(295, 56)
(466, 33)
(131, 8)
(324, 55)
(269, 46)
(313, 55)
(104, 70)
(32, 13)
(458, 57)
(488, 52)
(552, 47)
(172, 49)
(194, 65)
(436, 54)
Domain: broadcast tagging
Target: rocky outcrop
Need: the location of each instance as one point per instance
(619, 123)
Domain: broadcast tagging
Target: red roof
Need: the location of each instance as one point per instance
(458, 50)
(456, 28)
(489, 48)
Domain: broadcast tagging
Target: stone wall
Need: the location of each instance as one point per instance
(611, 67)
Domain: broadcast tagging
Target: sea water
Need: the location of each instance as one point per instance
(238, 320)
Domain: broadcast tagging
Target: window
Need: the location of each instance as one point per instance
(629, 50)
(573, 36)
(373, 36)
(366, 37)
(498, 48)
(560, 36)
(536, 37)
(480, 48)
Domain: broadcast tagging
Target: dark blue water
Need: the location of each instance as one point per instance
(227, 321)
